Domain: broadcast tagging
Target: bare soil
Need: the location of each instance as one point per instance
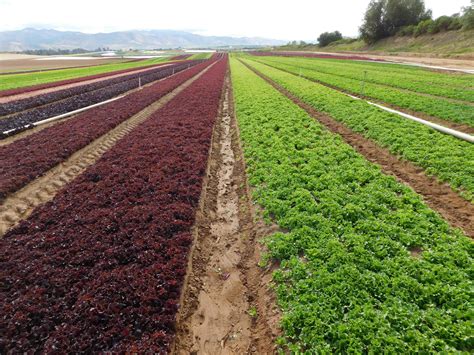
(20, 205)
(226, 306)
(441, 62)
(11, 63)
(414, 58)
(438, 195)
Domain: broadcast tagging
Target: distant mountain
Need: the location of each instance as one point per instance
(30, 38)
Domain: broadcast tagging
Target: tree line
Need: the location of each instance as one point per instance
(385, 18)
(55, 51)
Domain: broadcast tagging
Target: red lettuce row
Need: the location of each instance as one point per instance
(22, 120)
(181, 57)
(39, 100)
(26, 159)
(25, 89)
(100, 267)
(313, 55)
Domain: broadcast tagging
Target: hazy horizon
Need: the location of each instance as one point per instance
(301, 20)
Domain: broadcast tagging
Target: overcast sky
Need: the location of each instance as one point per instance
(279, 19)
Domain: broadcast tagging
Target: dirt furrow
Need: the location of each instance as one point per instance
(19, 205)
(453, 125)
(221, 311)
(439, 196)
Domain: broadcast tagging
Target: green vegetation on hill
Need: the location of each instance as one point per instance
(454, 44)
(403, 26)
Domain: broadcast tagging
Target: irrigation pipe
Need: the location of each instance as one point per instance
(51, 119)
(461, 135)
(64, 115)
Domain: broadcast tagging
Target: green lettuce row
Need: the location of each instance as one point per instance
(350, 277)
(12, 81)
(448, 158)
(414, 73)
(442, 86)
(443, 109)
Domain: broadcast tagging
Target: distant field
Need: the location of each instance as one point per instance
(201, 56)
(17, 62)
(26, 79)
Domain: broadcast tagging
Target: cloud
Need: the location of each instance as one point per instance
(281, 19)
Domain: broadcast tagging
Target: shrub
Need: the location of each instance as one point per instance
(456, 24)
(328, 37)
(443, 23)
(407, 30)
(423, 27)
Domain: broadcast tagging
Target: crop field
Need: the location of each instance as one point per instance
(12, 81)
(237, 203)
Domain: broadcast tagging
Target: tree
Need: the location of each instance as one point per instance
(328, 37)
(468, 17)
(373, 26)
(385, 18)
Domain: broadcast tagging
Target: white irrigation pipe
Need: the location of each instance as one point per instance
(64, 115)
(51, 119)
(442, 129)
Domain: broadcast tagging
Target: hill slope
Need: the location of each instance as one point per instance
(452, 44)
(458, 44)
(30, 38)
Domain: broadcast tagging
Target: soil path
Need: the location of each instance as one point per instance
(227, 307)
(19, 205)
(415, 58)
(453, 125)
(439, 196)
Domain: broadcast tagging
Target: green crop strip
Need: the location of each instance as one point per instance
(13, 81)
(352, 278)
(200, 56)
(437, 107)
(444, 85)
(448, 158)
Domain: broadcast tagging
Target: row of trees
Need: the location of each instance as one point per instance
(54, 51)
(385, 18)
